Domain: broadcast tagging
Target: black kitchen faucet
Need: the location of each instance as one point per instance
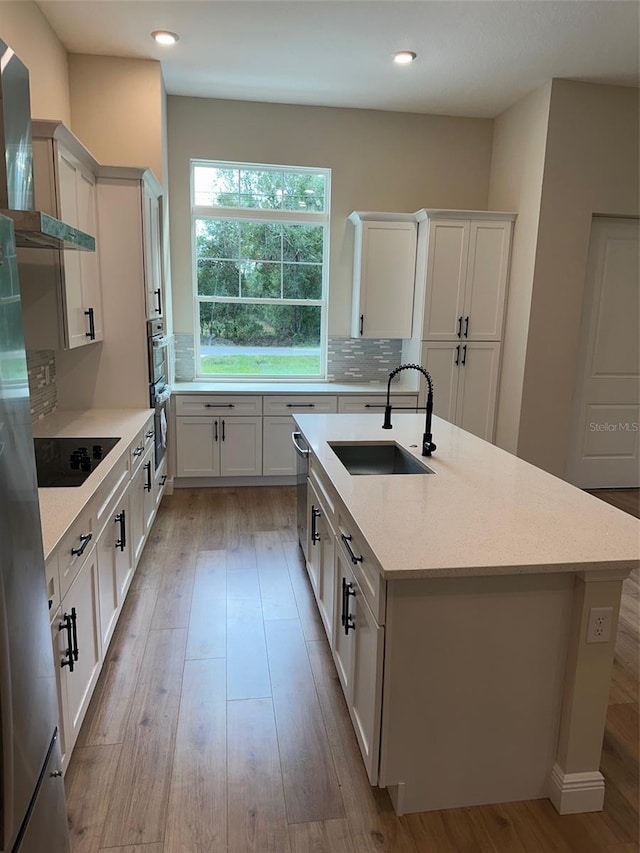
(427, 444)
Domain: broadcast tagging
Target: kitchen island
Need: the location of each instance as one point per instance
(459, 608)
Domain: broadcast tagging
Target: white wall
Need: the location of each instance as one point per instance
(379, 161)
(116, 109)
(517, 166)
(25, 29)
(591, 166)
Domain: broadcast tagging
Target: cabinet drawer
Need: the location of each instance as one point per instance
(80, 537)
(325, 493)
(363, 564)
(288, 404)
(362, 404)
(110, 491)
(202, 404)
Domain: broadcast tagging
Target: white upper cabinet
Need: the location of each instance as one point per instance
(465, 277)
(65, 187)
(383, 275)
(152, 227)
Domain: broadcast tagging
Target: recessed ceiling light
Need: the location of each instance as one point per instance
(404, 57)
(165, 37)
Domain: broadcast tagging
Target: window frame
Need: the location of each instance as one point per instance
(257, 215)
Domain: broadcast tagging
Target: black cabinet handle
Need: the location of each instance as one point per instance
(85, 538)
(219, 405)
(74, 630)
(163, 480)
(149, 434)
(223, 435)
(457, 361)
(91, 334)
(158, 294)
(362, 324)
(346, 619)
(301, 405)
(147, 468)
(315, 514)
(346, 539)
(138, 451)
(121, 520)
(464, 355)
(215, 430)
(459, 332)
(65, 625)
(466, 327)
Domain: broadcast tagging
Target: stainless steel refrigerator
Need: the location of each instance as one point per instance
(33, 815)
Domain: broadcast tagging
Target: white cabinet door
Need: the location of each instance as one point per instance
(342, 647)
(486, 280)
(152, 252)
(465, 378)
(441, 359)
(278, 456)
(81, 602)
(358, 650)
(366, 683)
(108, 581)
(447, 255)
(136, 502)
(325, 595)
(383, 279)
(81, 288)
(240, 446)
(149, 498)
(314, 552)
(197, 447)
(478, 388)
(160, 481)
(124, 556)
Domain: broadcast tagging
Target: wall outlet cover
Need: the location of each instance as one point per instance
(599, 626)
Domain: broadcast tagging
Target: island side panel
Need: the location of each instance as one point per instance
(473, 685)
(576, 783)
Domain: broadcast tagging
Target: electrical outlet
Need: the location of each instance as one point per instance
(599, 627)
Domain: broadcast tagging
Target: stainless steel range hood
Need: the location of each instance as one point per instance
(33, 228)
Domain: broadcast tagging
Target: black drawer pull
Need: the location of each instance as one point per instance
(457, 361)
(65, 625)
(459, 332)
(219, 405)
(147, 468)
(464, 355)
(346, 539)
(315, 515)
(466, 327)
(362, 324)
(74, 631)
(85, 538)
(158, 293)
(346, 619)
(301, 405)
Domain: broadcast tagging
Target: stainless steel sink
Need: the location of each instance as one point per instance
(359, 458)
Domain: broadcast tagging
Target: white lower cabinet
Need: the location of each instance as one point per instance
(78, 650)
(465, 378)
(358, 646)
(321, 564)
(229, 446)
(115, 567)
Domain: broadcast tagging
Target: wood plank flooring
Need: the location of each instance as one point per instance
(218, 724)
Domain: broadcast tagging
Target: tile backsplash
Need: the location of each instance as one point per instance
(41, 368)
(357, 360)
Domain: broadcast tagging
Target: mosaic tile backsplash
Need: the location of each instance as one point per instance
(357, 360)
(41, 368)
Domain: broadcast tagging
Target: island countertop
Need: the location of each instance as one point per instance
(482, 512)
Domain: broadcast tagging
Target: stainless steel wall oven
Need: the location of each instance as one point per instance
(159, 391)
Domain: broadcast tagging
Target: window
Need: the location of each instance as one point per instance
(260, 248)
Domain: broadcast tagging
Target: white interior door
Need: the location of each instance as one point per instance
(604, 446)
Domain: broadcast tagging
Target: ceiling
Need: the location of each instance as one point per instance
(475, 57)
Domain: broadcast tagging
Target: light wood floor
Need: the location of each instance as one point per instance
(218, 724)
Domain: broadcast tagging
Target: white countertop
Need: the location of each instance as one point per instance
(60, 507)
(287, 388)
(483, 511)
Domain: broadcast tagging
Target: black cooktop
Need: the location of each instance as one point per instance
(69, 461)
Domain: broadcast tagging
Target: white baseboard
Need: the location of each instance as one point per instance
(574, 793)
